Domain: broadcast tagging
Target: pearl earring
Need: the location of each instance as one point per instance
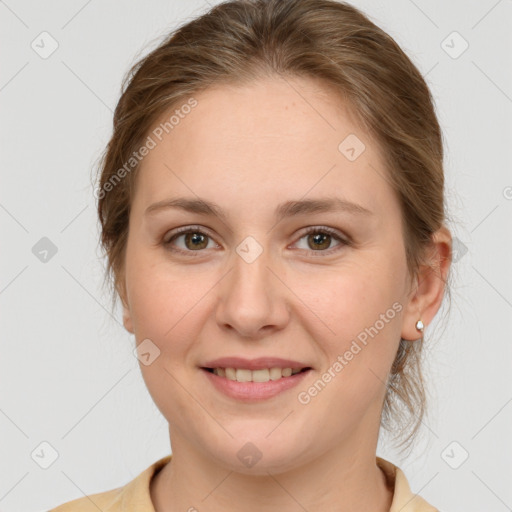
(419, 325)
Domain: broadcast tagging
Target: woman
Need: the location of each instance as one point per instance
(272, 210)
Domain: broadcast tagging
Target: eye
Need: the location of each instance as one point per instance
(319, 239)
(194, 240)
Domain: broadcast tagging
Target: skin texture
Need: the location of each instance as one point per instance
(248, 149)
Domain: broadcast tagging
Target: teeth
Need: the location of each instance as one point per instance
(263, 375)
(230, 373)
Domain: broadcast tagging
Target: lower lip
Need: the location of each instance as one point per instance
(254, 391)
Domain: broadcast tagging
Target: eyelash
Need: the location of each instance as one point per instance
(313, 230)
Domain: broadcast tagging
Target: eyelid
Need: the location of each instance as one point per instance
(325, 229)
(189, 229)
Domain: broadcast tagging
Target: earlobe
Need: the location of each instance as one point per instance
(127, 320)
(429, 288)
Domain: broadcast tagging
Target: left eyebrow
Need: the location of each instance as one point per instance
(284, 210)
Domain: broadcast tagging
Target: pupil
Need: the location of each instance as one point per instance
(319, 240)
(197, 240)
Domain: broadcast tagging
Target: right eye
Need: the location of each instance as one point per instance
(193, 238)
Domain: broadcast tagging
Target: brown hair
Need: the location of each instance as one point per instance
(240, 41)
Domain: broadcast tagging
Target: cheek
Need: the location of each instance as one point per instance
(161, 307)
(357, 316)
(158, 297)
(170, 306)
(165, 309)
(351, 297)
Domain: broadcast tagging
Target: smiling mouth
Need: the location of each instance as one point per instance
(262, 375)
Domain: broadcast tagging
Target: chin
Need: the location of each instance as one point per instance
(260, 457)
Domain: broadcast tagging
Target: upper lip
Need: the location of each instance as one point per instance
(254, 364)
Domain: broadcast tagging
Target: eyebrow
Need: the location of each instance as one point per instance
(284, 210)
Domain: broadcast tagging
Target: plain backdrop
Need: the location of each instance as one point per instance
(71, 394)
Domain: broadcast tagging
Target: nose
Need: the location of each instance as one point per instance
(252, 300)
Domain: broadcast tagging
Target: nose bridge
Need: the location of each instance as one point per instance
(251, 262)
(249, 283)
(251, 297)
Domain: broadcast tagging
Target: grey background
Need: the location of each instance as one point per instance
(67, 373)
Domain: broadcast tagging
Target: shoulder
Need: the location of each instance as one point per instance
(105, 501)
(135, 495)
(404, 500)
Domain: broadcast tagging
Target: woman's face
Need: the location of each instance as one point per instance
(253, 283)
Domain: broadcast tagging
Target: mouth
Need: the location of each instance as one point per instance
(250, 386)
(260, 375)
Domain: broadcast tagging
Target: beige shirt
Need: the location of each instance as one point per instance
(135, 495)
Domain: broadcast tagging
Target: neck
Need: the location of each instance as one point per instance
(346, 479)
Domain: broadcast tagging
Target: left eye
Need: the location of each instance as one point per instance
(319, 239)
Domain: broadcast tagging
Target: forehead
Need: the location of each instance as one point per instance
(272, 137)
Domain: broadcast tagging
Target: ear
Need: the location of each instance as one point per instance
(127, 319)
(429, 286)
